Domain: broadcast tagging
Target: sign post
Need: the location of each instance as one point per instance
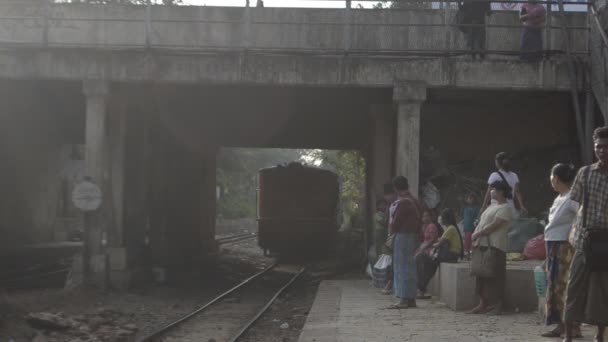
(87, 197)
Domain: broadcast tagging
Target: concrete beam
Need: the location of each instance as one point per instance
(95, 128)
(408, 97)
(381, 161)
(284, 69)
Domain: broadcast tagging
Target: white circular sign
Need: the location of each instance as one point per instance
(87, 196)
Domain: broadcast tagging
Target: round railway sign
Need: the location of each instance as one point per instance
(87, 196)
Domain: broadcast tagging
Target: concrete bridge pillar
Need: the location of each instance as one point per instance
(96, 93)
(105, 136)
(408, 97)
(381, 161)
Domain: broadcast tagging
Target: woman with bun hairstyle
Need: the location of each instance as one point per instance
(559, 251)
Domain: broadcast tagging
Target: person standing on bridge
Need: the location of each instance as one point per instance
(472, 15)
(406, 224)
(532, 16)
(587, 293)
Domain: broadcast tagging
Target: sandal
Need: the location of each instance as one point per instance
(397, 306)
(477, 311)
(386, 292)
(553, 333)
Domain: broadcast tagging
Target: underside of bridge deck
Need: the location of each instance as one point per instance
(155, 153)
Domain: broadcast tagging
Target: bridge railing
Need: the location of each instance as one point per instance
(355, 31)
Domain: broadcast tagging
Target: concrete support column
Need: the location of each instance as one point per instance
(408, 97)
(382, 141)
(209, 202)
(96, 93)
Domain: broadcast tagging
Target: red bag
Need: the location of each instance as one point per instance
(535, 248)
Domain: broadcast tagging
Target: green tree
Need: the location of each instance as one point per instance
(404, 4)
(237, 170)
(350, 168)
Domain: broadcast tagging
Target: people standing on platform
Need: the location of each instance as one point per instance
(532, 15)
(469, 214)
(587, 292)
(448, 248)
(390, 196)
(472, 15)
(505, 174)
(406, 224)
(559, 251)
(491, 232)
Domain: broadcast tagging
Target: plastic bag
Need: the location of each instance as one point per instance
(382, 271)
(384, 261)
(430, 195)
(368, 271)
(521, 231)
(535, 248)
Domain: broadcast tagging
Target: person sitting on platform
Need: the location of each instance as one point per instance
(447, 249)
(469, 215)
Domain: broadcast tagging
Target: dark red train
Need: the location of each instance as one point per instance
(297, 209)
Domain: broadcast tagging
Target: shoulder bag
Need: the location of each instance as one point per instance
(595, 239)
(515, 200)
(484, 260)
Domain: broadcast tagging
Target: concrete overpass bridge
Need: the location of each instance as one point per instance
(152, 93)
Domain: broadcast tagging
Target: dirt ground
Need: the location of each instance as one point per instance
(94, 314)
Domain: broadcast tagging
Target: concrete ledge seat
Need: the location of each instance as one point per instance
(456, 288)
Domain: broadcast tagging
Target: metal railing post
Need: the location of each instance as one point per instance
(247, 26)
(444, 8)
(549, 27)
(45, 23)
(347, 27)
(148, 29)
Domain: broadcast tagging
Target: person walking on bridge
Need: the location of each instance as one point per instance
(406, 224)
(587, 293)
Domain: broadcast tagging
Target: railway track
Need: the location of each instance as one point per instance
(225, 240)
(227, 317)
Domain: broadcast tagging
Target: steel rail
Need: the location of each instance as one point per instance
(234, 239)
(181, 320)
(265, 308)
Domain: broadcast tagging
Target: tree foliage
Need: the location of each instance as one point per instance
(404, 4)
(237, 170)
(350, 168)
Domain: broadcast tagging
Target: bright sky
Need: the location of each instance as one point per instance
(277, 3)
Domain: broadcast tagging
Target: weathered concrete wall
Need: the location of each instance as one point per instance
(35, 161)
(486, 122)
(109, 42)
(256, 28)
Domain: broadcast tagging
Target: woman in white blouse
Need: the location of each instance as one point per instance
(559, 251)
